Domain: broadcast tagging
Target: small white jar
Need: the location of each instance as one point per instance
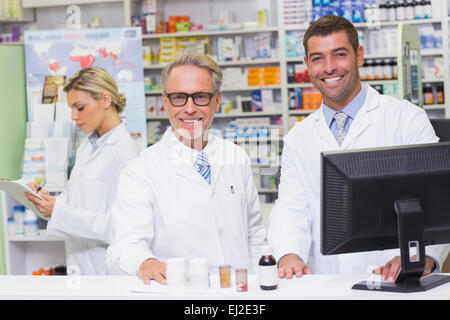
(198, 274)
(176, 273)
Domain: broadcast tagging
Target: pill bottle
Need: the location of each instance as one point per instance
(369, 69)
(409, 10)
(267, 270)
(427, 9)
(387, 69)
(11, 226)
(30, 223)
(225, 275)
(383, 11)
(378, 69)
(400, 11)
(418, 10)
(241, 280)
(428, 94)
(19, 213)
(392, 8)
(440, 94)
(394, 69)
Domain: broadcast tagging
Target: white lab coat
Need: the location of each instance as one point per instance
(295, 219)
(165, 209)
(82, 212)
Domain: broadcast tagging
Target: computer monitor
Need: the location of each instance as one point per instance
(442, 128)
(384, 198)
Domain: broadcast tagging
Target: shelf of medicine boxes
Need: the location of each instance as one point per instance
(373, 25)
(424, 52)
(243, 62)
(222, 63)
(208, 33)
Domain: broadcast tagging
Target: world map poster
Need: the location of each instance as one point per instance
(65, 52)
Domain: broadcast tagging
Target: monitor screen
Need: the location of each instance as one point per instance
(367, 194)
(442, 129)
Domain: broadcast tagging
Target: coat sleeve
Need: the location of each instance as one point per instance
(132, 222)
(85, 224)
(415, 126)
(88, 223)
(439, 253)
(290, 219)
(256, 230)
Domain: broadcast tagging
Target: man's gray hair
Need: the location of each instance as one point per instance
(198, 60)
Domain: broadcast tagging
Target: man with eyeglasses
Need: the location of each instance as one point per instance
(190, 195)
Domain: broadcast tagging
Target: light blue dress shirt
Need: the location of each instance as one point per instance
(350, 109)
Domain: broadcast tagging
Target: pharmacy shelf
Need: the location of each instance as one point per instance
(259, 165)
(432, 52)
(52, 3)
(208, 33)
(251, 88)
(23, 254)
(373, 25)
(301, 112)
(228, 115)
(300, 85)
(267, 190)
(434, 106)
(226, 63)
(371, 82)
(248, 62)
(424, 52)
(298, 60)
(256, 139)
(13, 20)
(380, 24)
(39, 237)
(155, 92)
(17, 43)
(433, 80)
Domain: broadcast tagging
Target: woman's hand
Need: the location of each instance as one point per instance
(44, 206)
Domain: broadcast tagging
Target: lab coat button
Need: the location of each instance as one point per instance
(220, 231)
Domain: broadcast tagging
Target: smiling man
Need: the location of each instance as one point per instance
(191, 194)
(352, 116)
(191, 96)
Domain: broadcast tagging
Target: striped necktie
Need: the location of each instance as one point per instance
(341, 119)
(203, 167)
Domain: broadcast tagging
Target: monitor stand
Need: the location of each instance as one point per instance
(412, 253)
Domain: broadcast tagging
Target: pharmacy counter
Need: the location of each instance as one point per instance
(128, 287)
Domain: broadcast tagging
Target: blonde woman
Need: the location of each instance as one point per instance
(82, 212)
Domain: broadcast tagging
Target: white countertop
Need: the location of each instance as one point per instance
(129, 287)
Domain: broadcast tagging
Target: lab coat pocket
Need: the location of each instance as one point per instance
(94, 194)
(236, 215)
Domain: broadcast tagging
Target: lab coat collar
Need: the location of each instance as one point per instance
(361, 122)
(113, 136)
(184, 158)
(116, 133)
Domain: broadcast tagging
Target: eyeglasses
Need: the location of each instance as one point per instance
(201, 99)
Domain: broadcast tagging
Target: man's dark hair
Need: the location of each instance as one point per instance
(330, 24)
